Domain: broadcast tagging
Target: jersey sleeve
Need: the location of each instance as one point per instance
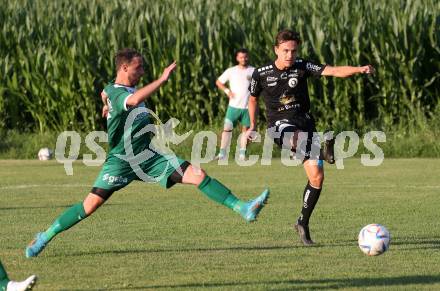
(118, 99)
(224, 77)
(313, 69)
(255, 87)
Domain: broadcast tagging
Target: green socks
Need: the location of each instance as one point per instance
(3, 278)
(69, 218)
(220, 194)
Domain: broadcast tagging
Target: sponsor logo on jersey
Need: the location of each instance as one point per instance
(253, 83)
(266, 72)
(293, 74)
(283, 76)
(293, 82)
(272, 84)
(286, 99)
(271, 79)
(313, 67)
(289, 106)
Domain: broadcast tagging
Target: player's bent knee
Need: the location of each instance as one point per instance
(317, 180)
(92, 202)
(193, 175)
(198, 174)
(228, 126)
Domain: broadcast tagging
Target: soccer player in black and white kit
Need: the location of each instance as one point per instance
(283, 86)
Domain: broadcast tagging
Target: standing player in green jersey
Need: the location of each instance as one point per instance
(130, 156)
(239, 78)
(8, 285)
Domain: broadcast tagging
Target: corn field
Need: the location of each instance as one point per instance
(56, 56)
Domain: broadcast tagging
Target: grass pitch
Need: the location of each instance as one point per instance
(146, 237)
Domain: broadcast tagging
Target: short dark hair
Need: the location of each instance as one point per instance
(242, 50)
(287, 35)
(125, 56)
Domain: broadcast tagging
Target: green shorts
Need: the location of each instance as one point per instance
(234, 115)
(116, 173)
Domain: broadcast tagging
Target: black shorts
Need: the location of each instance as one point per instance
(308, 144)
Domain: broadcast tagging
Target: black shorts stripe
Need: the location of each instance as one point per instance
(175, 176)
(103, 193)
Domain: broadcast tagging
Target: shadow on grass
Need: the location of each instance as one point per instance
(320, 284)
(220, 249)
(432, 243)
(295, 245)
(417, 243)
(398, 243)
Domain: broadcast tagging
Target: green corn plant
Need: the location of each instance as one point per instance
(57, 56)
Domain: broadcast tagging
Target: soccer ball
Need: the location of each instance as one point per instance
(44, 154)
(374, 239)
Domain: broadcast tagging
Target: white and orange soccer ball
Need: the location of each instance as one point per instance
(44, 154)
(374, 239)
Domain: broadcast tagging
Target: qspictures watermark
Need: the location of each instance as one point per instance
(204, 147)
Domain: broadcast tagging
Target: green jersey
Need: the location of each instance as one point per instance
(121, 125)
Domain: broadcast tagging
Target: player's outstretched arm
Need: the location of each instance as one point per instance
(140, 95)
(347, 71)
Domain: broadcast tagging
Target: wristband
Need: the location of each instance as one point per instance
(227, 91)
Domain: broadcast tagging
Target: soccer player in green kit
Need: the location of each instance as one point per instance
(126, 103)
(8, 285)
